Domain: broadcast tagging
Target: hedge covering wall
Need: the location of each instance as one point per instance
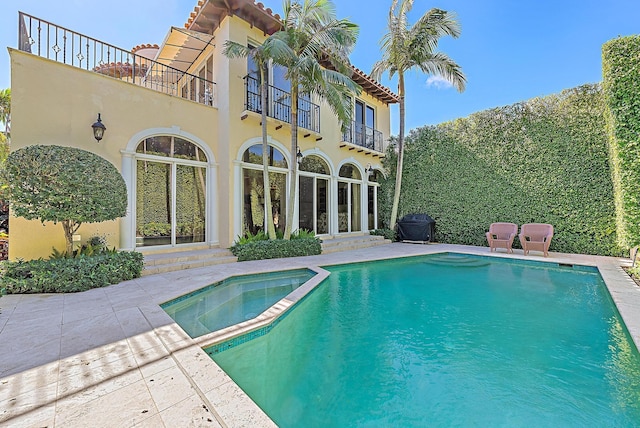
(621, 86)
(544, 160)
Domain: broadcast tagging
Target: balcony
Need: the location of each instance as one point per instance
(279, 105)
(47, 40)
(363, 136)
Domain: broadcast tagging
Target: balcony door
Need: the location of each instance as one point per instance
(364, 125)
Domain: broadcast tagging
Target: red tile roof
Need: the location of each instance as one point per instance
(212, 12)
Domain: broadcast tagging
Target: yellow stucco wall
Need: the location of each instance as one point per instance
(53, 103)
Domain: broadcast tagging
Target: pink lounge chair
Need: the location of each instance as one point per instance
(536, 236)
(501, 235)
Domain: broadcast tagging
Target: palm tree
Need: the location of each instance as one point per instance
(311, 35)
(405, 47)
(261, 57)
(5, 110)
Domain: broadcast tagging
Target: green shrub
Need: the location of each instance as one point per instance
(67, 275)
(621, 80)
(540, 161)
(274, 249)
(387, 233)
(66, 185)
(302, 234)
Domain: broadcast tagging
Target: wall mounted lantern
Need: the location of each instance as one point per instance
(299, 156)
(98, 129)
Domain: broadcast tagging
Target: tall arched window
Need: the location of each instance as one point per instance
(372, 198)
(253, 189)
(313, 198)
(170, 192)
(349, 199)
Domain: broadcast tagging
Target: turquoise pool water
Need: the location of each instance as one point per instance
(233, 300)
(446, 340)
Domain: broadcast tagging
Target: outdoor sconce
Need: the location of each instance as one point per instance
(369, 170)
(299, 156)
(98, 129)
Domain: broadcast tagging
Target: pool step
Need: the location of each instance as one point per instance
(456, 260)
(332, 245)
(169, 262)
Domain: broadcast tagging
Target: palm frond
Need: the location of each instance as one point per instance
(440, 64)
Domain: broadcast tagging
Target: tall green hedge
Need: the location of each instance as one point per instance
(621, 86)
(544, 160)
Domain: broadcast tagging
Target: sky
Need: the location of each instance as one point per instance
(509, 50)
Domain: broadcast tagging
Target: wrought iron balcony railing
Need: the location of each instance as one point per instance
(363, 136)
(60, 44)
(279, 105)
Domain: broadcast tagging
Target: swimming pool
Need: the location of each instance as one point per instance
(232, 300)
(446, 340)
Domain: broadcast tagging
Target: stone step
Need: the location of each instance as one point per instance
(352, 243)
(155, 263)
(172, 267)
(185, 256)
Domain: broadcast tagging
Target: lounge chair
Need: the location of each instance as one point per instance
(536, 236)
(501, 235)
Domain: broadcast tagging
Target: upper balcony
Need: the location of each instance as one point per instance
(365, 137)
(279, 105)
(47, 40)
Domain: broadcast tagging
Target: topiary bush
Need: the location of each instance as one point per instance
(66, 185)
(274, 249)
(544, 161)
(621, 83)
(68, 275)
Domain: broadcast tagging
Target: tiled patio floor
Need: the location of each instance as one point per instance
(111, 357)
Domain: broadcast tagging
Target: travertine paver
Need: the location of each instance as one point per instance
(112, 357)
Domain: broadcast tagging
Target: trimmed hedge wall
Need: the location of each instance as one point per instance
(544, 161)
(621, 86)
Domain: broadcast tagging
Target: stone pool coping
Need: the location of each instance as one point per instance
(112, 357)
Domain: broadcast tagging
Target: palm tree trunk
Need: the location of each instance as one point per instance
(293, 168)
(396, 193)
(270, 227)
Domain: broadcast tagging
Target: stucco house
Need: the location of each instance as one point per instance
(183, 128)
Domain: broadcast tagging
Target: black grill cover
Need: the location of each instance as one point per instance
(416, 227)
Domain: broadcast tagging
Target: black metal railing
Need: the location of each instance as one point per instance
(363, 136)
(51, 41)
(279, 105)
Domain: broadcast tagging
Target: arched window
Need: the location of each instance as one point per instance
(169, 146)
(254, 155)
(170, 192)
(253, 189)
(349, 199)
(350, 171)
(313, 195)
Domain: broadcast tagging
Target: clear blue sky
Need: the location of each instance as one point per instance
(510, 50)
